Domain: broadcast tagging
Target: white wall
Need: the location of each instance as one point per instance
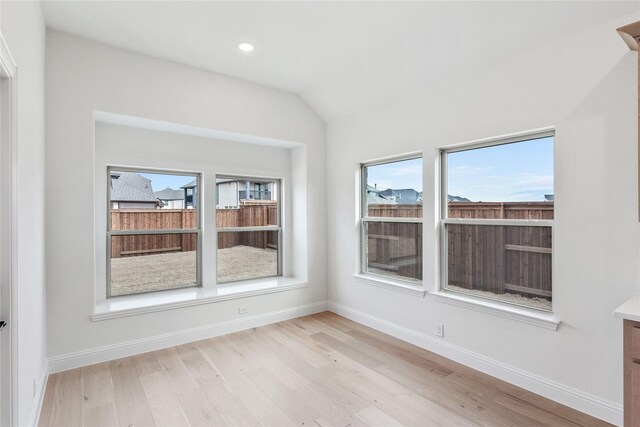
(83, 77)
(23, 28)
(586, 86)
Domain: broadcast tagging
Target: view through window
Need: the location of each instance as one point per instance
(392, 219)
(153, 231)
(498, 221)
(249, 230)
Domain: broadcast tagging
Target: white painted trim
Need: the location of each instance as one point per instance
(36, 409)
(521, 314)
(381, 282)
(143, 345)
(188, 297)
(7, 63)
(569, 396)
(544, 132)
(8, 70)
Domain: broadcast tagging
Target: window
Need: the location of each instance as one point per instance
(151, 248)
(248, 222)
(391, 219)
(497, 220)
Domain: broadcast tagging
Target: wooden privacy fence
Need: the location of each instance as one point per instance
(488, 258)
(249, 214)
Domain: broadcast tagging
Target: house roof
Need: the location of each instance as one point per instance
(451, 198)
(192, 184)
(375, 199)
(131, 187)
(403, 196)
(169, 194)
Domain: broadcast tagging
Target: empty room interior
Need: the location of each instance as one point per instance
(319, 213)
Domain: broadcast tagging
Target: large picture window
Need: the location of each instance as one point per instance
(497, 220)
(391, 219)
(153, 231)
(248, 222)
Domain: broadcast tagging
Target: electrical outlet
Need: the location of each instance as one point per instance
(34, 387)
(440, 330)
(243, 310)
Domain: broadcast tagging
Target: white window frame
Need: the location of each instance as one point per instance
(197, 231)
(364, 220)
(444, 220)
(278, 228)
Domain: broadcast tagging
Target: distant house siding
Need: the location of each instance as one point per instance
(134, 205)
(227, 195)
(173, 204)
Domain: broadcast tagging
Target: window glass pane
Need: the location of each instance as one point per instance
(152, 262)
(246, 202)
(508, 181)
(394, 189)
(394, 250)
(244, 255)
(506, 263)
(152, 201)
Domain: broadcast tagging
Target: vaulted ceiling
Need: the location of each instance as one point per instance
(340, 57)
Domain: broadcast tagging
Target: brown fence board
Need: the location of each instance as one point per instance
(484, 257)
(247, 215)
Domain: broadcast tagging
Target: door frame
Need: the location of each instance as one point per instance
(8, 233)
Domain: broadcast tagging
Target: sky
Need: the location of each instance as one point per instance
(161, 181)
(521, 171)
(516, 172)
(396, 175)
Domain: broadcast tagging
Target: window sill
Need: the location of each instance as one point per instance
(133, 305)
(394, 285)
(520, 314)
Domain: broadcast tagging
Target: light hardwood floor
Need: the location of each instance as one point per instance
(321, 370)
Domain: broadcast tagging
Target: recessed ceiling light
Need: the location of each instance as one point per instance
(246, 47)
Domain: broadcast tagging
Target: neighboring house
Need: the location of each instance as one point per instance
(132, 191)
(374, 197)
(405, 196)
(451, 198)
(170, 198)
(229, 192)
(255, 190)
(190, 192)
(548, 197)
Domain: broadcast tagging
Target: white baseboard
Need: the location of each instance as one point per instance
(34, 418)
(571, 397)
(130, 348)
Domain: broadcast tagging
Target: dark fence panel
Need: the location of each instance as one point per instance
(496, 259)
(249, 214)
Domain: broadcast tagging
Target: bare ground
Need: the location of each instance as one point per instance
(533, 302)
(132, 275)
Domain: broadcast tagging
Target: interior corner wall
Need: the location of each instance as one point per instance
(23, 28)
(83, 77)
(586, 86)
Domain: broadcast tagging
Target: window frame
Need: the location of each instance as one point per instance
(363, 220)
(444, 220)
(111, 233)
(278, 228)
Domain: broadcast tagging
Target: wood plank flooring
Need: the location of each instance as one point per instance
(321, 370)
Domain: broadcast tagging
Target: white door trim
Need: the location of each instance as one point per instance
(8, 219)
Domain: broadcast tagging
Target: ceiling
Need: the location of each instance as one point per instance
(340, 57)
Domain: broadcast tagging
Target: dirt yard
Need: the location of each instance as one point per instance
(133, 275)
(537, 303)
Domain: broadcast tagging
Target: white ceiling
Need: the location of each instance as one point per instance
(340, 57)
